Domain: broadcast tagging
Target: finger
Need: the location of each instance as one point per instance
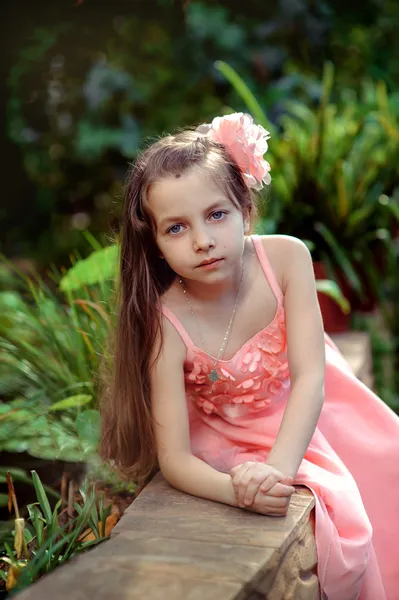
(252, 490)
(289, 483)
(234, 470)
(243, 466)
(249, 485)
(237, 473)
(278, 505)
(240, 481)
(268, 484)
(281, 490)
(239, 469)
(271, 505)
(270, 481)
(288, 480)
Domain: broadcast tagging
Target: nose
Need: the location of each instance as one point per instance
(203, 240)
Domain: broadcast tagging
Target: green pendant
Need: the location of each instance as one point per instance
(213, 375)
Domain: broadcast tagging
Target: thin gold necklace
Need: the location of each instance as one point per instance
(214, 374)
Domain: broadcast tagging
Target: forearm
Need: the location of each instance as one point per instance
(298, 425)
(193, 476)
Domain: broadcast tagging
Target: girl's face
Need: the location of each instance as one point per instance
(196, 222)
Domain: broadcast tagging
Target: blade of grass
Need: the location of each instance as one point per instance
(81, 523)
(34, 566)
(340, 257)
(103, 512)
(54, 518)
(36, 517)
(245, 93)
(42, 497)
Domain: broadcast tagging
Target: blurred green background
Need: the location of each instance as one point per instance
(87, 83)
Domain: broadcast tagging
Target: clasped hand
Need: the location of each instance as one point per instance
(262, 488)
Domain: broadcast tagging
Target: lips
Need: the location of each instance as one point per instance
(209, 261)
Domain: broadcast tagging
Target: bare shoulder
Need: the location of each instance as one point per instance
(279, 243)
(286, 253)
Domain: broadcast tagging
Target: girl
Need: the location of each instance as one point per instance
(224, 378)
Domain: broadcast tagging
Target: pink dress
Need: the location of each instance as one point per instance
(351, 465)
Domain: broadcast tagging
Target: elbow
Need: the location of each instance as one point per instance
(173, 467)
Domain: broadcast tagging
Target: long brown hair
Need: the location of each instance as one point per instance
(127, 436)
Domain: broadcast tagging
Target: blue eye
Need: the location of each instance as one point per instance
(173, 230)
(218, 215)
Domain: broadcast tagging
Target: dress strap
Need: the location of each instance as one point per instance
(266, 266)
(178, 326)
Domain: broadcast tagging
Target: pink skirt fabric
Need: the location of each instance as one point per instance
(352, 468)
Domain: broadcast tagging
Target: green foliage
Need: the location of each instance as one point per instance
(333, 167)
(94, 88)
(98, 89)
(92, 120)
(47, 543)
(384, 350)
(29, 426)
(51, 349)
(98, 267)
(364, 42)
(333, 291)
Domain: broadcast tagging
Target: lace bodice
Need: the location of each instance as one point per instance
(251, 380)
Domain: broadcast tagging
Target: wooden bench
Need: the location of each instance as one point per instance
(169, 545)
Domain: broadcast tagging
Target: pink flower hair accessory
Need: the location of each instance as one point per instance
(246, 142)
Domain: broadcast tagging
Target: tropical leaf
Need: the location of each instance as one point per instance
(100, 266)
(72, 402)
(332, 290)
(245, 93)
(357, 217)
(341, 258)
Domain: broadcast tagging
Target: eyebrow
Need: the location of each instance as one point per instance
(179, 218)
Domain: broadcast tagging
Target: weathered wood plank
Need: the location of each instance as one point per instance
(100, 576)
(162, 511)
(292, 574)
(171, 545)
